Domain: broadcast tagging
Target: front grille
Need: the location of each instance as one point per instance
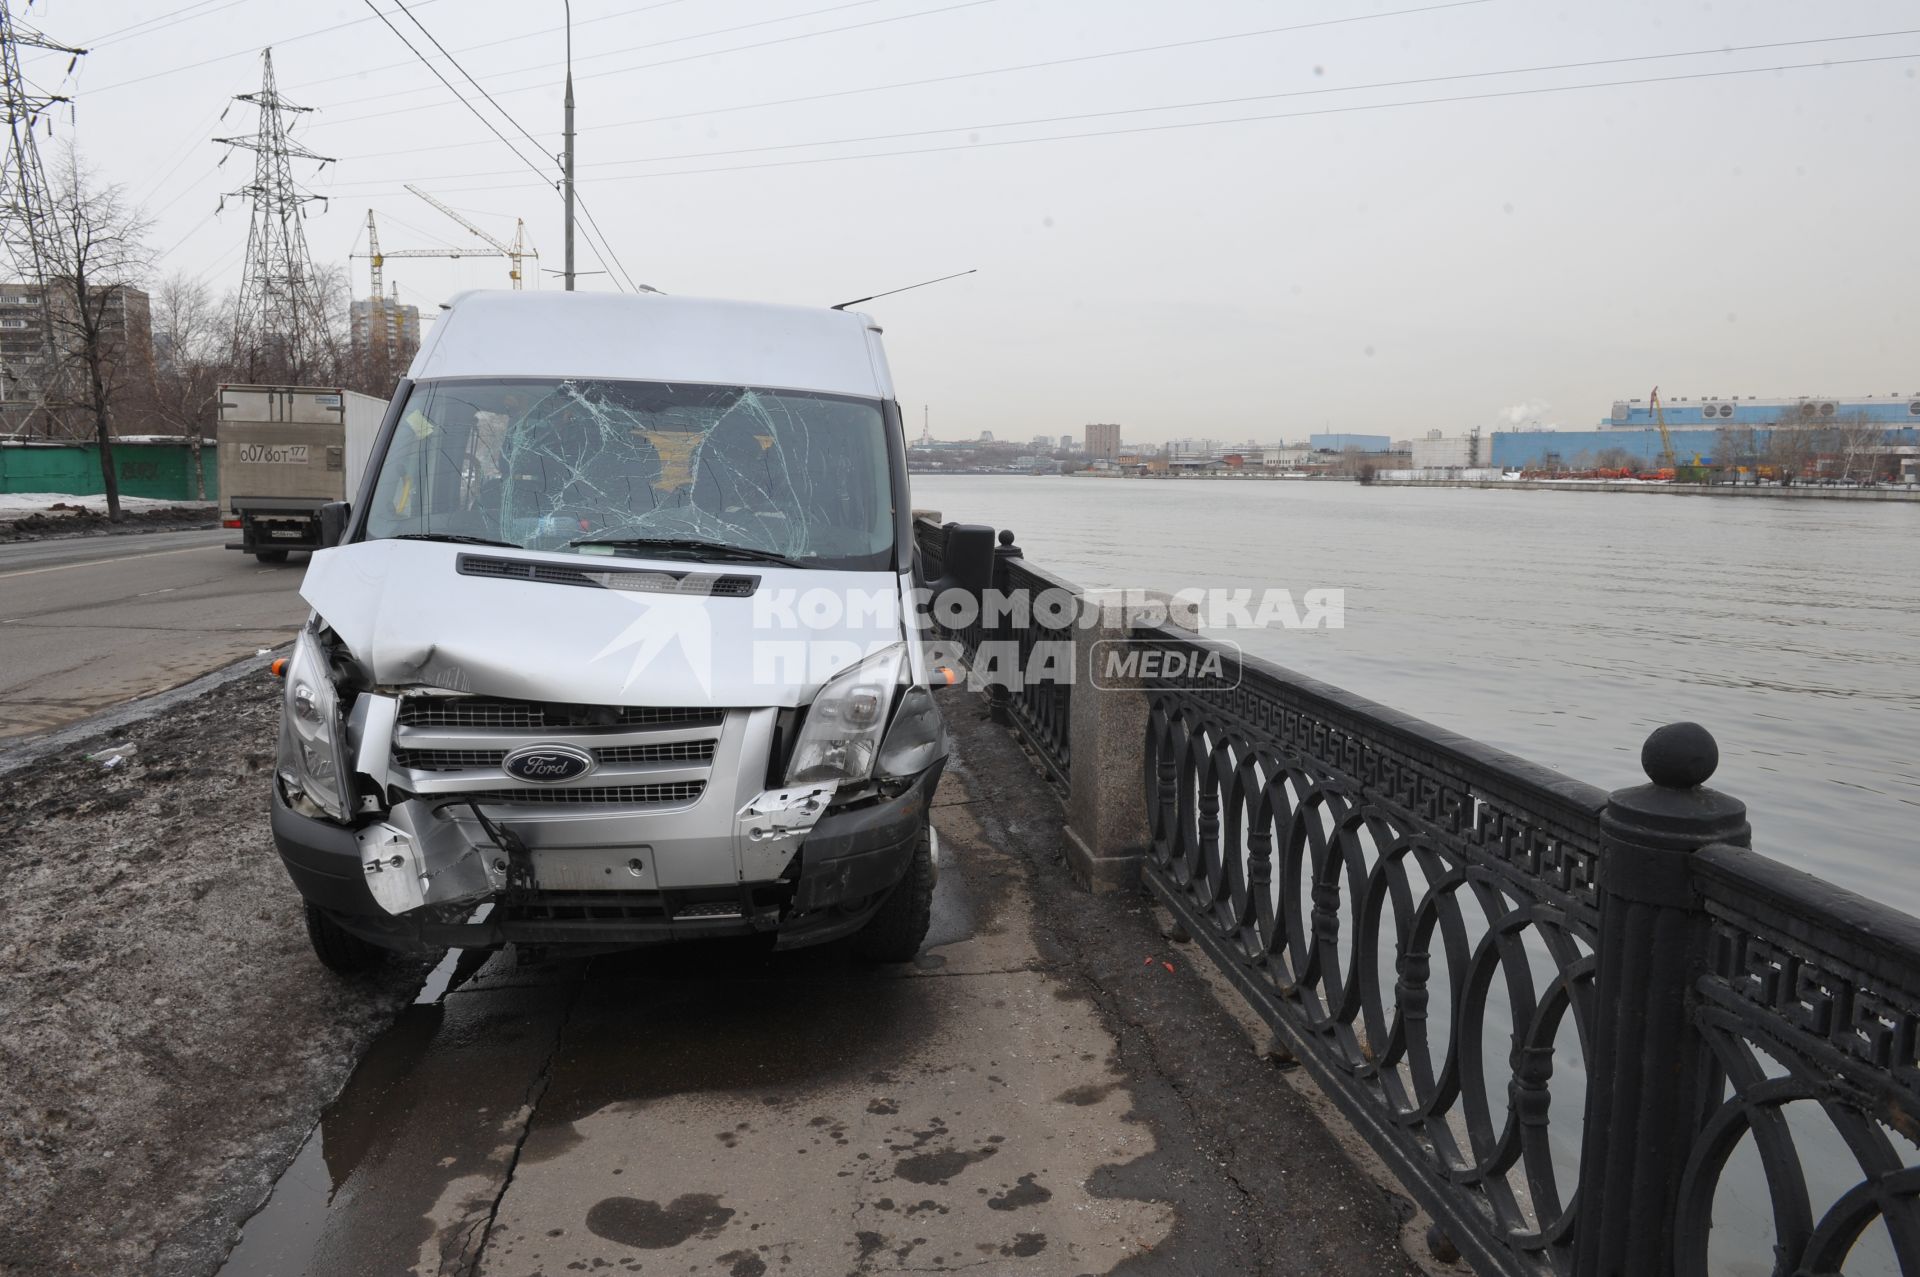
(730, 585)
(446, 760)
(485, 712)
(683, 751)
(453, 760)
(678, 792)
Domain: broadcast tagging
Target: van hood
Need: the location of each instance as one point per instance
(593, 630)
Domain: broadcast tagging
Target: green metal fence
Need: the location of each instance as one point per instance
(160, 470)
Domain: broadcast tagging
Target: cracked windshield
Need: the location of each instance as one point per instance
(610, 466)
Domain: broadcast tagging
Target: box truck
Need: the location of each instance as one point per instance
(286, 451)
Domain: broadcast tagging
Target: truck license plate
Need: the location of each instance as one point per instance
(289, 532)
(274, 454)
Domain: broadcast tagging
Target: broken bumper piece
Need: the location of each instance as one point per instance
(418, 857)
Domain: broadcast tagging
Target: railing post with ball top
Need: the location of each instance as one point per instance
(1648, 1078)
(1003, 629)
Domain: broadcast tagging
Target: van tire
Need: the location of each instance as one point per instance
(339, 950)
(270, 556)
(899, 926)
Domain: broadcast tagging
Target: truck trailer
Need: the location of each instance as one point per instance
(285, 451)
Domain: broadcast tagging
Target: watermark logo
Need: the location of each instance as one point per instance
(679, 629)
(1011, 639)
(1120, 664)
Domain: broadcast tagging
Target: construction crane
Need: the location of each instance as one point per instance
(380, 315)
(514, 252)
(1666, 440)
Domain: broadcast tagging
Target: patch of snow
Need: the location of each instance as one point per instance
(23, 503)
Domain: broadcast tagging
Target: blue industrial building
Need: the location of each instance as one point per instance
(1802, 410)
(1579, 449)
(1342, 442)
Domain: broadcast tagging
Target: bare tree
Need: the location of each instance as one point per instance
(96, 257)
(191, 347)
(1791, 447)
(1857, 441)
(1736, 448)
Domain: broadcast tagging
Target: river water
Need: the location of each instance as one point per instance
(1563, 626)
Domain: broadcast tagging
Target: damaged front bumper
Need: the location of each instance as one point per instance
(432, 874)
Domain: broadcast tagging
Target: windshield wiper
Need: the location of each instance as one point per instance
(691, 545)
(456, 537)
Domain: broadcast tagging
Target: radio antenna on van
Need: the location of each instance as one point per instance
(909, 288)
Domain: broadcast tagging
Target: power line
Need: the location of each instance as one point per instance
(652, 44)
(605, 250)
(607, 257)
(489, 44)
(247, 52)
(173, 16)
(1212, 102)
(185, 191)
(1155, 48)
(609, 261)
(1245, 119)
(463, 71)
(966, 75)
(504, 140)
(712, 53)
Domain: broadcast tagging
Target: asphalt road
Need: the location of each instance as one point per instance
(92, 621)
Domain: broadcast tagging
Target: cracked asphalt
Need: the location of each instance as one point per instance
(1047, 1090)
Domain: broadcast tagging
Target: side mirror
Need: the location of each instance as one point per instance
(334, 518)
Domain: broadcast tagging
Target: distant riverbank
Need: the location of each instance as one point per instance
(1800, 492)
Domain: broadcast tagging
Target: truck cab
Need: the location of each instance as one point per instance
(619, 644)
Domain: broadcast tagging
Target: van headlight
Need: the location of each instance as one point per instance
(310, 763)
(843, 728)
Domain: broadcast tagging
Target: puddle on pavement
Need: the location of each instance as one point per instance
(707, 1016)
(278, 1240)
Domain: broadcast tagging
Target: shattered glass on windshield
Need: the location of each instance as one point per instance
(541, 464)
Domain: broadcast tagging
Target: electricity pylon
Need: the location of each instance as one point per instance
(24, 202)
(26, 210)
(280, 318)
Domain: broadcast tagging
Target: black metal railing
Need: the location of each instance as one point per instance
(1020, 640)
(1414, 912)
(1040, 611)
(1594, 1034)
(1557, 1014)
(1809, 1007)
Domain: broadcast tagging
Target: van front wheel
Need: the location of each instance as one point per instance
(338, 949)
(896, 930)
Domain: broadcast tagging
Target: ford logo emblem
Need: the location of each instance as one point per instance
(547, 764)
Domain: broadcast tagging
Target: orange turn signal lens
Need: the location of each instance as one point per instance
(947, 675)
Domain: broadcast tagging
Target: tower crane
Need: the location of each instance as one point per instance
(380, 317)
(514, 252)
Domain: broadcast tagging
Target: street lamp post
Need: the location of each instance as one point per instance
(567, 161)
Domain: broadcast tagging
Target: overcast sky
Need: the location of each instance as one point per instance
(1351, 265)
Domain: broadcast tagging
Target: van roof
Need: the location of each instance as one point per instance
(651, 337)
